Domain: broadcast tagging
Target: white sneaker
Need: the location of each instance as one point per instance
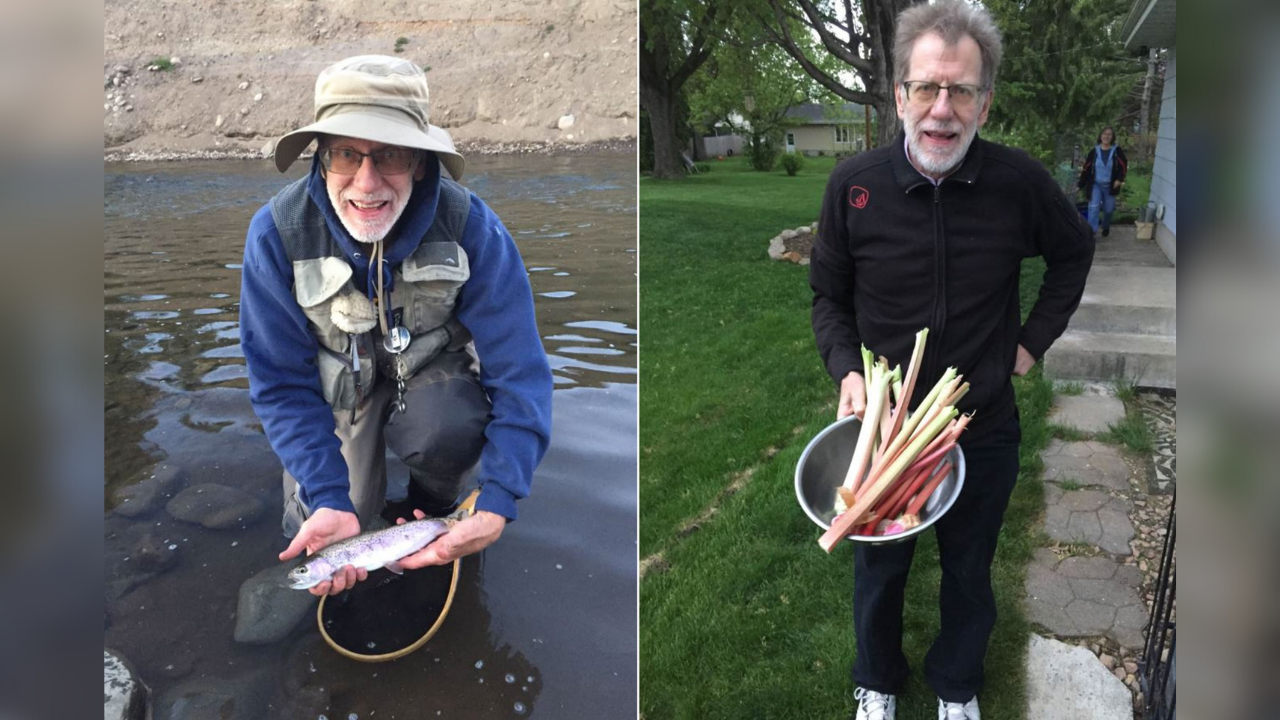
(875, 706)
(959, 711)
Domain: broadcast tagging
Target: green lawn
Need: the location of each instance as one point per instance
(746, 617)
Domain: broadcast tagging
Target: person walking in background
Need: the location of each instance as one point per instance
(918, 234)
(1102, 177)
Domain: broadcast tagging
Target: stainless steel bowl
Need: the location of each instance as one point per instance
(822, 468)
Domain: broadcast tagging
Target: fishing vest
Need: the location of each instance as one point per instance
(425, 288)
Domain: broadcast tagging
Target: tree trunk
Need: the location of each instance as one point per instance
(667, 163)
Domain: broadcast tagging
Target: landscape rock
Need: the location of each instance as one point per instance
(214, 506)
(565, 122)
(124, 695)
(267, 611)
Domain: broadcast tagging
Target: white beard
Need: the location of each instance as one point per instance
(935, 163)
(372, 231)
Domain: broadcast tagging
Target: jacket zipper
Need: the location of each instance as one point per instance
(940, 288)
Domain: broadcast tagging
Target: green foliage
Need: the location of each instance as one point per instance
(1072, 387)
(792, 163)
(703, 167)
(1068, 434)
(1064, 76)
(1126, 389)
(1132, 432)
(400, 43)
(161, 64)
(548, 29)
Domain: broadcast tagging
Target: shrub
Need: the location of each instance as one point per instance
(703, 167)
(162, 64)
(792, 163)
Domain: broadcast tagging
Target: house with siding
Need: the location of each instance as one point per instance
(1153, 24)
(826, 129)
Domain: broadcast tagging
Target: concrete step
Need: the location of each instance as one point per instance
(1133, 300)
(1146, 360)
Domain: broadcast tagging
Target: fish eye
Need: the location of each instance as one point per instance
(302, 570)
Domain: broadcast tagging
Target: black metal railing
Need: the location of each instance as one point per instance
(1157, 669)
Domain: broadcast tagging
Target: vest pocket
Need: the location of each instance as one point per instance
(432, 277)
(337, 380)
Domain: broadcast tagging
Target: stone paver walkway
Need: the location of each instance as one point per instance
(1102, 513)
(1088, 516)
(1086, 597)
(1086, 463)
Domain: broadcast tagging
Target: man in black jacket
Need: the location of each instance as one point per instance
(931, 231)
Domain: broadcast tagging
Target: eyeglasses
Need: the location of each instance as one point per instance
(921, 92)
(387, 161)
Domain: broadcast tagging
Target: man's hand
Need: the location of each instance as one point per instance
(324, 528)
(853, 396)
(469, 536)
(1022, 364)
(1116, 184)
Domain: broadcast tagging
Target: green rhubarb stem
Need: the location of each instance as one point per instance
(877, 390)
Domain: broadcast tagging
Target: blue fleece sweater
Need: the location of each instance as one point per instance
(495, 304)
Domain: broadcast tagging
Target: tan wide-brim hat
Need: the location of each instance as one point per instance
(377, 98)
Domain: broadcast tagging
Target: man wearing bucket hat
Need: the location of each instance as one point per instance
(383, 305)
(930, 231)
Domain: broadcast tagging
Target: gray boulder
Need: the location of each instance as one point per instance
(239, 698)
(124, 695)
(267, 610)
(214, 506)
(148, 494)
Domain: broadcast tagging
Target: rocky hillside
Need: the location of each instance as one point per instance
(231, 77)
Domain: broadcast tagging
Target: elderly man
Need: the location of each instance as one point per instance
(385, 306)
(931, 231)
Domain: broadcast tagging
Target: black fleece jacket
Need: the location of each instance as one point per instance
(895, 254)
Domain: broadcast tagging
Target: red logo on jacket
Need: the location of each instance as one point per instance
(858, 197)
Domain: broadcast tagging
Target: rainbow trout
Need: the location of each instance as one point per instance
(370, 550)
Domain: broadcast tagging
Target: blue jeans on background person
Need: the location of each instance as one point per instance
(1101, 198)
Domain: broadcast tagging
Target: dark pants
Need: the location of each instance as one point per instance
(967, 544)
(439, 437)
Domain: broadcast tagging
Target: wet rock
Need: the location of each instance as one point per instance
(214, 506)
(243, 698)
(148, 494)
(268, 611)
(124, 695)
(132, 563)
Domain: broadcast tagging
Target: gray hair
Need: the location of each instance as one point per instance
(952, 19)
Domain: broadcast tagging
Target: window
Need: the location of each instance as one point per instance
(842, 135)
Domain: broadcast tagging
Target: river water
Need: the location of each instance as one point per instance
(544, 623)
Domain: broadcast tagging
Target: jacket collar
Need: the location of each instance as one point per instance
(909, 178)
